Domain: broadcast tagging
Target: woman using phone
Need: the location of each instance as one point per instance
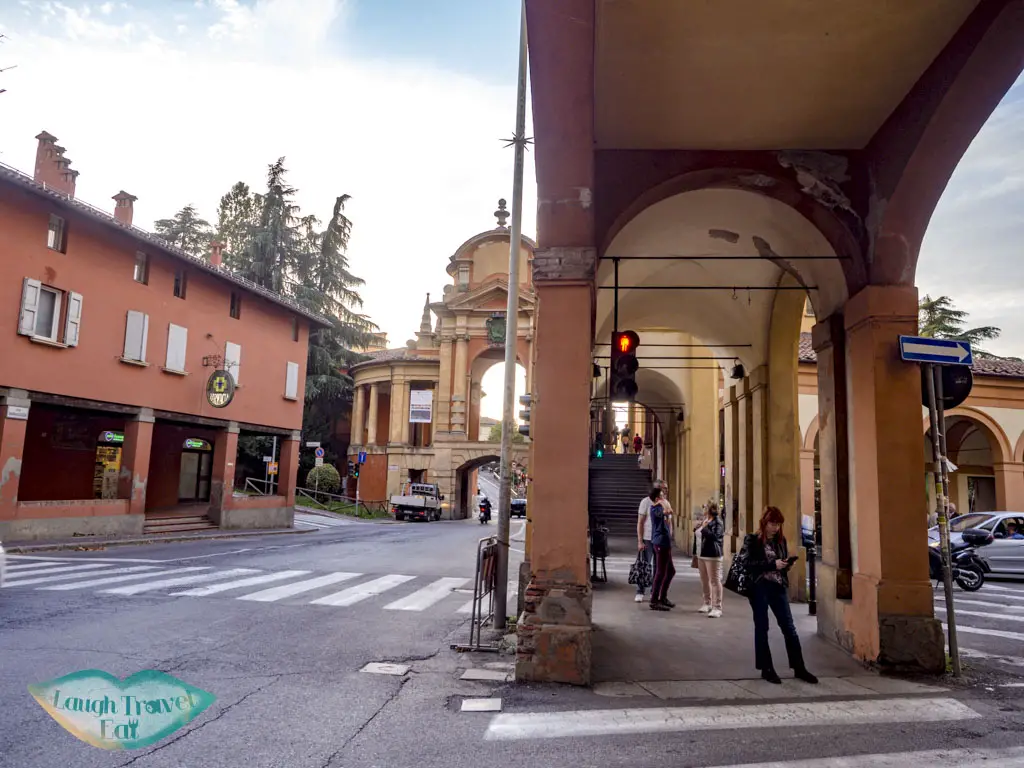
(768, 562)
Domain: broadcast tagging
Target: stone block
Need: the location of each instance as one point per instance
(911, 644)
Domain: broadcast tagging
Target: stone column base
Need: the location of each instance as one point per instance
(553, 634)
(524, 582)
(911, 644)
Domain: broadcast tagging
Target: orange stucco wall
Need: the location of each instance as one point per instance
(99, 265)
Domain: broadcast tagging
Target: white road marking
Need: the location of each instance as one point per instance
(68, 560)
(426, 597)
(80, 575)
(30, 567)
(287, 590)
(115, 579)
(68, 569)
(202, 557)
(361, 592)
(213, 589)
(960, 602)
(990, 632)
(1012, 757)
(608, 722)
(985, 614)
(1017, 591)
(149, 586)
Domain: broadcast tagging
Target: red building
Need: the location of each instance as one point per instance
(129, 369)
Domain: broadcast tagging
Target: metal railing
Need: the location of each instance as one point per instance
(484, 585)
(323, 500)
(251, 484)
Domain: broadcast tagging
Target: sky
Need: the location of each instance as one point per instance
(402, 104)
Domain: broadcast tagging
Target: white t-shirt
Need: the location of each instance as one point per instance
(644, 513)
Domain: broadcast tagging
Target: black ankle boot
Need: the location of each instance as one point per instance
(803, 674)
(771, 676)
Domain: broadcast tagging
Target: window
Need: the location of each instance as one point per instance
(141, 268)
(295, 329)
(233, 360)
(291, 381)
(236, 305)
(177, 341)
(41, 312)
(463, 274)
(180, 283)
(136, 333)
(56, 237)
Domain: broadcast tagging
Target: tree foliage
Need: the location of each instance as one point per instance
(495, 435)
(269, 241)
(187, 231)
(939, 318)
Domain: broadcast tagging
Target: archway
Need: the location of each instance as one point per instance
(466, 484)
(487, 376)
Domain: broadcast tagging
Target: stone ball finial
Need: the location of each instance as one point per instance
(501, 214)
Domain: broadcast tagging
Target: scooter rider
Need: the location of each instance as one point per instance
(485, 506)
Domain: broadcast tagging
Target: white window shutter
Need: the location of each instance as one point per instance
(177, 341)
(136, 331)
(233, 360)
(291, 380)
(29, 306)
(73, 322)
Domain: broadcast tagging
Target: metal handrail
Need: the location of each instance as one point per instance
(484, 584)
(371, 507)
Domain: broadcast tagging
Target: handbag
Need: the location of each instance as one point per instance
(738, 579)
(640, 572)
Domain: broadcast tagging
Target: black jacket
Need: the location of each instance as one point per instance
(757, 563)
(712, 538)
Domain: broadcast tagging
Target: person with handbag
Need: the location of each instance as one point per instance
(767, 563)
(711, 534)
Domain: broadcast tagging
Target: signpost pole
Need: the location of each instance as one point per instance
(940, 417)
(934, 373)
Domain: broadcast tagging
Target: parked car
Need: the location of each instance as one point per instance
(517, 508)
(1004, 555)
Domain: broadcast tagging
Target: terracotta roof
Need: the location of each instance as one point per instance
(983, 366)
(25, 181)
(402, 354)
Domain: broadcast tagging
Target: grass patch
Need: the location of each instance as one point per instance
(352, 510)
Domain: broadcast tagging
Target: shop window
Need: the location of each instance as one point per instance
(136, 334)
(42, 309)
(56, 236)
(108, 464)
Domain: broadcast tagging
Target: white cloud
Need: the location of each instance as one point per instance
(177, 120)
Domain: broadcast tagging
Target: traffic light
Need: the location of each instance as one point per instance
(624, 365)
(353, 468)
(524, 428)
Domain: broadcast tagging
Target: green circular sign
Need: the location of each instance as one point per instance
(220, 389)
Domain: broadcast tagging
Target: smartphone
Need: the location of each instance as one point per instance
(792, 559)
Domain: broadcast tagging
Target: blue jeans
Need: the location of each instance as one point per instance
(649, 557)
(771, 595)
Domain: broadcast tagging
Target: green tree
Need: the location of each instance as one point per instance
(187, 231)
(237, 216)
(939, 318)
(495, 435)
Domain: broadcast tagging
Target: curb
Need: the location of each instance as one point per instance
(90, 545)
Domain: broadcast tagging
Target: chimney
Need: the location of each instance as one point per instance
(46, 153)
(124, 207)
(215, 253)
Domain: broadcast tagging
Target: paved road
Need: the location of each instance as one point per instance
(280, 629)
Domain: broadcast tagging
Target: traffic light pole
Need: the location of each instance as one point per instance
(508, 423)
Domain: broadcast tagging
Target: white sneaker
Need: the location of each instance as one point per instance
(638, 599)
(715, 614)
(705, 608)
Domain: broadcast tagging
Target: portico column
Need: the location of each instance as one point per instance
(135, 452)
(444, 388)
(554, 632)
(371, 438)
(406, 395)
(892, 621)
(288, 470)
(759, 448)
(222, 483)
(460, 405)
(399, 394)
(807, 482)
(1009, 486)
(745, 450)
(358, 417)
(14, 411)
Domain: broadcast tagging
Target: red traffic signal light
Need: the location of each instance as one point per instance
(626, 342)
(624, 365)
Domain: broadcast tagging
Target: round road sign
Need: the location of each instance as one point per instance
(957, 381)
(319, 453)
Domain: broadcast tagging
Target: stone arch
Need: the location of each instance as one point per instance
(810, 442)
(1002, 450)
(465, 461)
(1018, 450)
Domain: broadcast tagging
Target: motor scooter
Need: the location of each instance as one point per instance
(969, 568)
(485, 511)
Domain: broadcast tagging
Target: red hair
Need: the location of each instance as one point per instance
(771, 515)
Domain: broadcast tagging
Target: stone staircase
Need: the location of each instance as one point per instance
(617, 485)
(178, 520)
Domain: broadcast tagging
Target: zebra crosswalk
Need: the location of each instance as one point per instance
(339, 589)
(989, 622)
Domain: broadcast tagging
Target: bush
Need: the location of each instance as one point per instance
(324, 478)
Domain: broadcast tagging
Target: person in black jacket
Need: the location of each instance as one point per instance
(768, 563)
(711, 534)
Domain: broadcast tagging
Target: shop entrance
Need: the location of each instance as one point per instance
(196, 471)
(108, 465)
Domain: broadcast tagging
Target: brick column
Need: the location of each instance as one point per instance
(288, 468)
(892, 620)
(14, 410)
(222, 484)
(135, 453)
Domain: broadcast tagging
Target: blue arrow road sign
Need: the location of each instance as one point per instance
(921, 349)
(362, 457)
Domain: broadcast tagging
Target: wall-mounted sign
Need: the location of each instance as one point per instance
(197, 444)
(421, 406)
(112, 437)
(271, 467)
(318, 461)
(17, 412)
(496, 329)
(220, 389)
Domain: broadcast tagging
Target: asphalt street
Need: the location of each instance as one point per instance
(280, 629)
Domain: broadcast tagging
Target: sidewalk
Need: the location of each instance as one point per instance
(102, 542)
(632, 643)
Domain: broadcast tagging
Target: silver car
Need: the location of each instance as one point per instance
(1004, 555)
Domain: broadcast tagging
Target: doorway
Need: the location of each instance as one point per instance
(196, 471)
